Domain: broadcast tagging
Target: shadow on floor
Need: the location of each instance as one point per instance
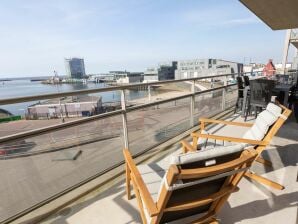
(120, 199)
(289, 129)
(288, 155)
(259, 208)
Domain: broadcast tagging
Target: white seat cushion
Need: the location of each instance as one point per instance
(152, 175)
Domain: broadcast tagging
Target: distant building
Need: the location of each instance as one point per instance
(253, 68)
(164, 71)
(280, 69)
(103, 77)
(78, 106)
(206, 67)
(269, 69)
(75, 68)
(124, 77)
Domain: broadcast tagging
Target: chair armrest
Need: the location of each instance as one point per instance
(243, 124)
(230, 139)
(186, 147)
(135, 174)
(287, 112)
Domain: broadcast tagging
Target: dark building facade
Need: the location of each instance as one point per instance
(75, 68)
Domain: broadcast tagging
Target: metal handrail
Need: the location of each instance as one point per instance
(56, 127)
(99, 90)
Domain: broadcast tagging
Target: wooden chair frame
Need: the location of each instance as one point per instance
(174, 173)
(259, 146)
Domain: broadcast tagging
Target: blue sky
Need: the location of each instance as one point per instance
(36, 35)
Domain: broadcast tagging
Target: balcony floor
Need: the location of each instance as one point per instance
(254, 203)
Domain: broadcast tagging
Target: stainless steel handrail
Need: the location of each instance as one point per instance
(44, 130)
(15, 100)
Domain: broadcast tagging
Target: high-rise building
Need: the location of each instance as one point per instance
(75, 68)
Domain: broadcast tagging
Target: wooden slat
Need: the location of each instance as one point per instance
(217, 169)
(243, 124)
(128, 191)
(264, 161)
(230, 139)
(200, 202)
(264, 180)
(186, 147)
(141, 186)
(209, 217)
(164, 195)
(139, 200)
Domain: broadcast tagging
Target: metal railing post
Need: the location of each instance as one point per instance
(224, 90)
(149, 93)
(192, 104)
(124, 119)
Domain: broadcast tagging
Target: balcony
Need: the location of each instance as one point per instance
(72, 172)
(254, 203)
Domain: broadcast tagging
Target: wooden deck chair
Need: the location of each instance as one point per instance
(259, 135)
(194, 186)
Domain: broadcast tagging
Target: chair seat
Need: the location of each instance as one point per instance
(211, 143)
(152, 175)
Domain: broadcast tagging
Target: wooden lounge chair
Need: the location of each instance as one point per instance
(259, 135)
(194, 186)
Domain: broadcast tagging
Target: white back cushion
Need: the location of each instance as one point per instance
(263, 122)
(274, 109)
(205, 154)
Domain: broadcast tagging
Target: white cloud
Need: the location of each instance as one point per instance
(215, 17)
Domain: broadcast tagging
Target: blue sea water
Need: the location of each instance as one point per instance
(24, 87)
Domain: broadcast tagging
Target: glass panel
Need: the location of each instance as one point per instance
(231, 96)
(20, 117)
(207, 104)
(158, 92)
(53, 162)
(154, 125)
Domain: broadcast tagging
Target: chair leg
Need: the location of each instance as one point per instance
(236, 106)
(264, 180)
(214, 221)
(264, 162)
(128, 190)
(211, 221)
(256, 112)
(246, 112)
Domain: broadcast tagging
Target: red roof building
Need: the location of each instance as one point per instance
(269, 69)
